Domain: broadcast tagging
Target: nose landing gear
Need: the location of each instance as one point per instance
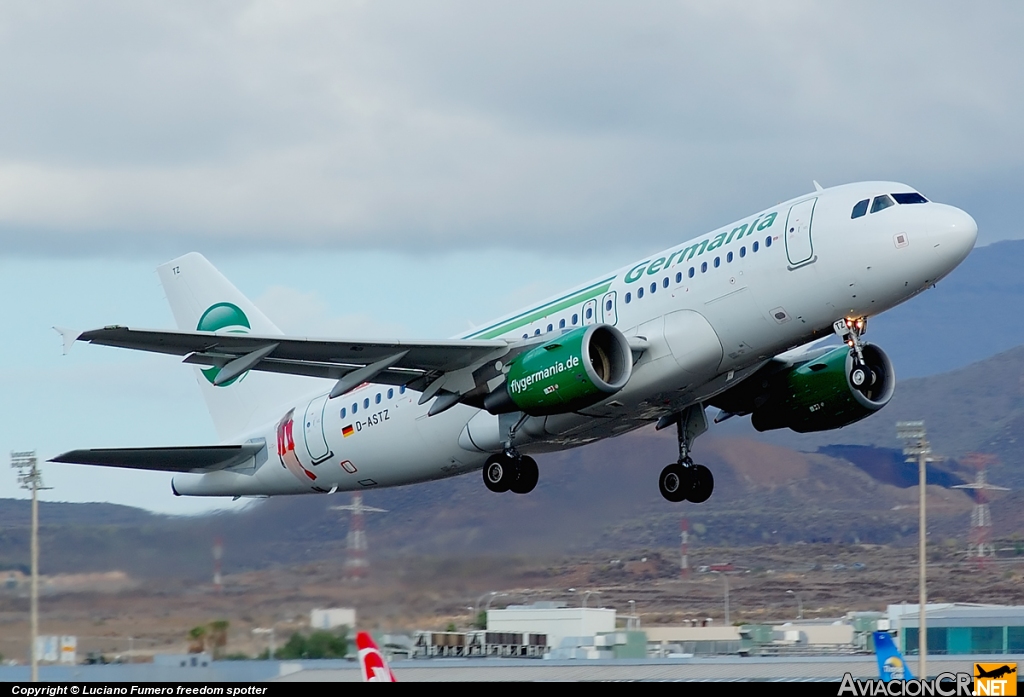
(850, 331)
(683, 480)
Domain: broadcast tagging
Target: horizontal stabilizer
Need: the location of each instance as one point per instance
(180, 459)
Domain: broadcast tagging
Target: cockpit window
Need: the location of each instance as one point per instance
(912, 197)
(860, 209)
(881, 203)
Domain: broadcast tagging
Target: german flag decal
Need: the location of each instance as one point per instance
(347, 431)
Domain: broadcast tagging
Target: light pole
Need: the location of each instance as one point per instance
(31, 479)
(726, 579)
(799, 604)
(915, 446)
(270, 632)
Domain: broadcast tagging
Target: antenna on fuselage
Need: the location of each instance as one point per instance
(817, 186)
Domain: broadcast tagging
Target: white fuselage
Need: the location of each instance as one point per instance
(712, 311)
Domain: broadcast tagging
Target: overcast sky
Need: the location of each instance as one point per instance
(405, 169)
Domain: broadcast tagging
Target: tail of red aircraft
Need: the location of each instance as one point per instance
(375, 668)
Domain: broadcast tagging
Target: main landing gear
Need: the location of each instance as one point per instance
(683, 480)
(510, 470)
(850, 331)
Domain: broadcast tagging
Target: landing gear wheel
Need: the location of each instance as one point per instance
(499, 473)
(860, 376)
(703, 484)
(528, 476)
(675, 482)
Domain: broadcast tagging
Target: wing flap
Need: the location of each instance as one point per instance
(209, 458)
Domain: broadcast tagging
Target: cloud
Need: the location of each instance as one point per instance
(139, 128)
(307, 313)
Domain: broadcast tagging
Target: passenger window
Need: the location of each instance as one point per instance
(639, 293)
(536, 332)
(881, 203)
(654, 287)
(590, 312)
(550, 328)
(366, 403)
(860, 209)
(679, 277)
(718, 260)
(664, 284)
(768, 241)
(912, 197)
(355, 407)
(755, 246)
(728, 257)
(608, 306)
(561, 323)
(628, 298)
(575, 319)
(343, 412)
(526, 336)
(704, 267)
(691, 272)
(391, 393)
(401, 390)
(743, 252)
(376, 400)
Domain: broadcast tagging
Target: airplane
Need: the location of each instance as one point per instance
(995, 673)
(891, 664)
(732, 319)
(375, 668)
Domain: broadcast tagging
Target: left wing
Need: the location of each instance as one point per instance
(454, 371)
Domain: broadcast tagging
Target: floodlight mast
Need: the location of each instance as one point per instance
(916, 446)
(31, 479)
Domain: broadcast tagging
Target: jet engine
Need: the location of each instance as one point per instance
(575, 370)
(819, 394)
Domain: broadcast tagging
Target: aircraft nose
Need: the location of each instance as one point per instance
(955, 235)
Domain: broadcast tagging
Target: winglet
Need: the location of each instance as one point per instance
(375, 668)
(68, 336)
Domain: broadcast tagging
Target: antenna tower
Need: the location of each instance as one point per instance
(980, 546)
(684, 560)
(356, 564)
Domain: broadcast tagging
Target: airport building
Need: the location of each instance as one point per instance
(960, 628)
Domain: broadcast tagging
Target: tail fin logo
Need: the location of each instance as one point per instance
(375, 668)
(223, 317)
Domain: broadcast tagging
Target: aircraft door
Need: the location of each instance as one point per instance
(799, 248)
(590, 312)
(609, 309)
(313, 431)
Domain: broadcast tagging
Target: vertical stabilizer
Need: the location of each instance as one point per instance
(202, 299)
(891, 665)
(375, 668)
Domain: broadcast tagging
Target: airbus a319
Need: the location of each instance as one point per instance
(725, 320)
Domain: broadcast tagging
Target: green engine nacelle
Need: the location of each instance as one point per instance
(576, 370)
(819, 395)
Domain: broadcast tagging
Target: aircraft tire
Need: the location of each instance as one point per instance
(860, 376)
(528, 476)
(674, 482)
(703, 485)
(499, 473)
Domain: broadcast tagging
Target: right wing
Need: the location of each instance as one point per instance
(454, 371)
